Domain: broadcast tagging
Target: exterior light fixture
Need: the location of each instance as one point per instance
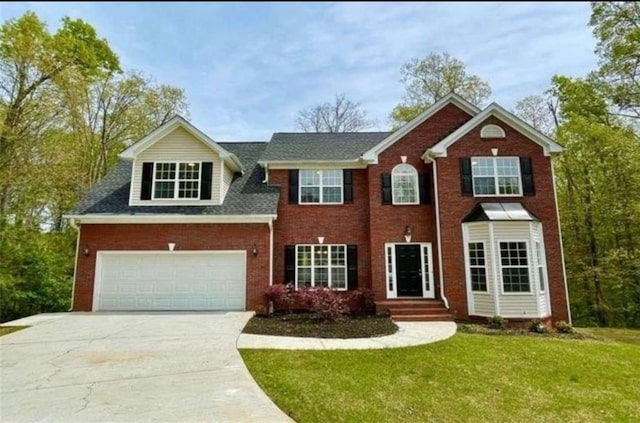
(172, 245)
(85, 251)
(407, 233)
(254, 250)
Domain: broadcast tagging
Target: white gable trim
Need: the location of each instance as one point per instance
(160, 132)
(169, 218)
(372, 154)
(549, 145)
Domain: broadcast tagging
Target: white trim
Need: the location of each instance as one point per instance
(543, 249)
(314, 164)
(170, 218)
(468, 264)
(97, 280)
(320, 188)
(496, 176)
(492, 127)
(72, 223)
(416, 185)
(471, 301)
(372, 154)
(425, 293)
(564, 268)
(175, 122)
(329, 266)
(494, 271)
(176, 181)
(549, 146)
(527, 244)
(222, 193)
(133, 168)
(270, 252)
(438, 236)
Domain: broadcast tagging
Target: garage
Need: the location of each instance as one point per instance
(176, 280)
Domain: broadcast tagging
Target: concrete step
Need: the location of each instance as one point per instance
(417, 310)
(401, 302)
(423, 318)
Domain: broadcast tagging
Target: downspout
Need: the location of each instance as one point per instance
(439, 238)
(270, 251)
(72, 223)
(564, 268)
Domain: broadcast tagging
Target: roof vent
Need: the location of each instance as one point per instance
(492, 131)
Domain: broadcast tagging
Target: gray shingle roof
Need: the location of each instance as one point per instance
(286, 146)
(247, 194)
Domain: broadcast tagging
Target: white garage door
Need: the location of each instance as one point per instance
(170, 281)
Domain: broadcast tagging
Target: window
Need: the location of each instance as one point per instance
(175, 180)
(496, 176)
(515, 266)
(321, 186)
(541, 275)
(477, 267)
(321, 265)
(404, 180)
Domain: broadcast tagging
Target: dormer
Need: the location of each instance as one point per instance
(179, 165)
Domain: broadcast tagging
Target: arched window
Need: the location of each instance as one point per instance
(492, 131)
(404, 180)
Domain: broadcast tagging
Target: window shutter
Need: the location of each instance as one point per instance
(293, 186)
(205, 181)
(386, 188)
(527, 176)
(466, 181)
(147, 181)
(425, 191)
(290, 264)
(352, 267)
(347, 182)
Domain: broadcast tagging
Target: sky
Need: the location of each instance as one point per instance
(249, 68)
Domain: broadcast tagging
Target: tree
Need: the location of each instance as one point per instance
(616, 26)
(429, 79)
(540, 111)
(343, 115)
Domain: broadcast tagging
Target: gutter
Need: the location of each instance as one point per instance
(74, 225)
(438, 235)
(271, 252)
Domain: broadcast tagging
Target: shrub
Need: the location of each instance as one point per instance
(497, 322)
(564, 327)
(361, 302)
(328, 303)
(471, 328)
(538, 327)
(280, 296)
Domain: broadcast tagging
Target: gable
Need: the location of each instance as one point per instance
(178, 145)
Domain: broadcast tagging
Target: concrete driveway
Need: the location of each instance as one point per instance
(130, 367)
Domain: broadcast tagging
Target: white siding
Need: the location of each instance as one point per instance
(483, 304)
(177, 145)
(227, 177)
(482, 301)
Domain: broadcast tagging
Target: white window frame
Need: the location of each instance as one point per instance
(473, 266)
(320, 186)
(393, 185)
(496, 176)
(426, 257)
(540, 267)
(498, 253)
(177, 180)
(328, 267)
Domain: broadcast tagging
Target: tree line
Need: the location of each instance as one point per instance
(67, 109)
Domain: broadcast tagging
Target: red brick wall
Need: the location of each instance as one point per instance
(454, 206)
(338, 224)
(186, 237)
(388, 222)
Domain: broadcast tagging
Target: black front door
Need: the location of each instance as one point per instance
(408, 270)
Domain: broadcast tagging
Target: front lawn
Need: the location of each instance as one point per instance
(308, 325)
(5, 330)
(627, 336)
(466, 378)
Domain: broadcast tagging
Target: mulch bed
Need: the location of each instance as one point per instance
(309, 325)
(484, 330)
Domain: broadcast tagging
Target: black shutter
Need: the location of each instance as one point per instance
(527, 176)
(205, 181)
(347, 181)
(147, 181)
(425, 191)
(385, 179)
(293, 186)
(352, 267)
(466, 181)
(289, 264)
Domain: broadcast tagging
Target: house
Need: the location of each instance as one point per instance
(454, 215)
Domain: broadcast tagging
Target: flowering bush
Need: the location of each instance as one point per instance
(280, 296)
(361, 301)
(328, 303)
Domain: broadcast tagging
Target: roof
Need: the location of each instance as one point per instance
(499, 212)
(323, 146)
(494, 109)
(247, 194)
(452, 98)
(230, 159)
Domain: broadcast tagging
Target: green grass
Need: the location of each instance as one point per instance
(5, 330)
(626, 336)
(469, 377)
